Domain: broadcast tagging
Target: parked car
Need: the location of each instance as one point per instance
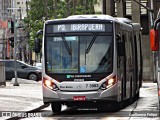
(24, 70)
(39, 65)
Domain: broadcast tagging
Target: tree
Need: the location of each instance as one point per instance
(41, 10)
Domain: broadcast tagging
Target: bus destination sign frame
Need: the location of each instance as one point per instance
(84, 27)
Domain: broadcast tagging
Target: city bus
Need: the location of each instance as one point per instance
(91, 61)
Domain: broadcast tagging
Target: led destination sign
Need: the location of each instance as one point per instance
(79, 28)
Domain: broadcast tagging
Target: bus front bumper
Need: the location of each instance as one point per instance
(107, 95)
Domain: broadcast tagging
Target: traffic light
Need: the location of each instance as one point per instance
(12, 26)
(12, 41)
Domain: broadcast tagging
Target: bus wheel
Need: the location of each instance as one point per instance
(117, 106)
(56, 107)
(137, 95)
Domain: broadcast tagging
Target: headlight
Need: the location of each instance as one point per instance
(109, 83)
(50, 84)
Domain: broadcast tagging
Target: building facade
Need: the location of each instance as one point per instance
(19, 8)
(140, 11)
(4, 11)
(7, 9)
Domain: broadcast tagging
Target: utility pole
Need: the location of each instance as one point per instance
(20, 13)
(4, 45)
(74, 7)
(46, 11)
(55, 9)
(85, 6)
(15, 52)
(68, 7)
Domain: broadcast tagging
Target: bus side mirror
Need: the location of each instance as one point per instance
(37, 42)
(37, 45)
(118, 37)
(154, 45)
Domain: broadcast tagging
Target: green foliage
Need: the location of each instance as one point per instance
(37, 13)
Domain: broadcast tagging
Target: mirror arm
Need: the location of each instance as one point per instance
(39, 32)
(155, 23)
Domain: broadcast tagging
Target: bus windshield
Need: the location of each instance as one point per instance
(79, 53)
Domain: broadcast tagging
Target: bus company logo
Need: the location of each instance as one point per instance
(6, 114)
(70, 76)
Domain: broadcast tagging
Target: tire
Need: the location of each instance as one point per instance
(33, 76)
(137, 96)
(120, 104)
(56, 107)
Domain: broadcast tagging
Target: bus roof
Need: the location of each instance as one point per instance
(124, 20)
(83, 18)
(93, 17)
(104, 17)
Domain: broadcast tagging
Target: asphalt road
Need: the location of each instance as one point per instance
(145, 108)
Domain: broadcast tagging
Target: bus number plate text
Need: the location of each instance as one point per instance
(79, 98)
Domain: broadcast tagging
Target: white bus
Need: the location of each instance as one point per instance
(90, 61)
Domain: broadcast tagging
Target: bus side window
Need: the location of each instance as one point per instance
(120, 45)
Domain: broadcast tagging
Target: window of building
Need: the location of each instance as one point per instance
(18, 3)
(142, 9)
(128, 7)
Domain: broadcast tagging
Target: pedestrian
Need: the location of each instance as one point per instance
(31, 62)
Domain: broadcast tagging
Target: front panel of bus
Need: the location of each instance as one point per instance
(78, 58)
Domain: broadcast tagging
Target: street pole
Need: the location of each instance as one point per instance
(15, 52)
(4, 47)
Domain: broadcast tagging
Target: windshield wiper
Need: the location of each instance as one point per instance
(91, 43)
(66, 44)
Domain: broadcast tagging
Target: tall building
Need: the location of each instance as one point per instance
(4, 11)
(8, 7)
(19, 8)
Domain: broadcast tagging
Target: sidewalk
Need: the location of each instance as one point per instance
(25, 97)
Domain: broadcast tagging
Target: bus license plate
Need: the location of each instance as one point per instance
(79, 98)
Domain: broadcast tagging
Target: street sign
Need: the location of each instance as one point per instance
(16, 24)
